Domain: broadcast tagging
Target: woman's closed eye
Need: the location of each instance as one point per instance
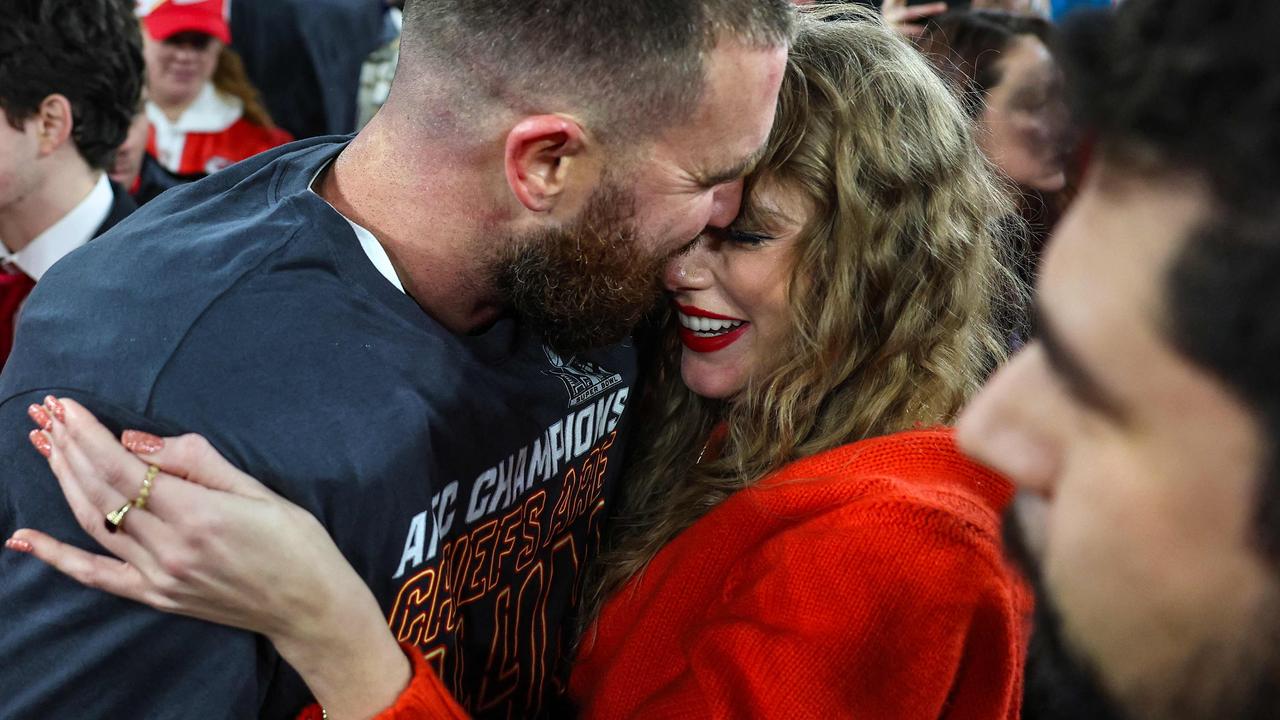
(747, 238)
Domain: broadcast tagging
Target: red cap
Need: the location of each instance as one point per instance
(170, 17)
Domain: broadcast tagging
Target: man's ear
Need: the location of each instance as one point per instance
(54, 123)
(541, 152)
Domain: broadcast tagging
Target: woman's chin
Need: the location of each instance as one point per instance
(708, 380)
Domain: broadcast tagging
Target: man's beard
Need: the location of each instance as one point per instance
(1218, 682)
(1059, 685)
(584, 285)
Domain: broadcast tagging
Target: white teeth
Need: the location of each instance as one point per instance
(707, 325)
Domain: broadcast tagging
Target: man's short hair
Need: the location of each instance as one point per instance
(87, 50)
(628, 65)
(1194, 87)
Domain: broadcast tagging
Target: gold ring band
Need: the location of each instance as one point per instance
(115, 518)
(144, 493)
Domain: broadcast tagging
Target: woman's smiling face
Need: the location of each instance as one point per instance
(730, 291)
(179, 67)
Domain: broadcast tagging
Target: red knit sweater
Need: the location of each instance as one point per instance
(865, 582)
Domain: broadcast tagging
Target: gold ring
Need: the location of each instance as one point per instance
(144, 493)
(115, 517)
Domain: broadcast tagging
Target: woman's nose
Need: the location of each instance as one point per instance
(687, 271)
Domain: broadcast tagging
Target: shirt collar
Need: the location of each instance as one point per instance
(74, 229)
(372, 248)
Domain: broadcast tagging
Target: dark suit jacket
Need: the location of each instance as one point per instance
(305, 56)
(122, 205)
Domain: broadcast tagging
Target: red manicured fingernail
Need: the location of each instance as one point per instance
(141, 443)
(21, 546)
(55, 408)
(40, 417)
(41, 441)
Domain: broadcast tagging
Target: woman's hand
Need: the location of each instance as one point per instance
(905, 19)
(213, 543)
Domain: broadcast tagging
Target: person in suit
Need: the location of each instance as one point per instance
(71, 74)
(305, 56)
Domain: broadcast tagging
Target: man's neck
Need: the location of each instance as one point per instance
(431, 224)
(59, 192)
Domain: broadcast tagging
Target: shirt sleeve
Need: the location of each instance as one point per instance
(896, 614)
(77, 652)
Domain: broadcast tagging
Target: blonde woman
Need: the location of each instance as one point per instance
(800, 539)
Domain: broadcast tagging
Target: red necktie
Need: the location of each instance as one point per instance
(15, 285)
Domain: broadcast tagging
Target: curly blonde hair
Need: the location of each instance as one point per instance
(893, 293)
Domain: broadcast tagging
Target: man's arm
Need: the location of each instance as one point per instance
(75, 652)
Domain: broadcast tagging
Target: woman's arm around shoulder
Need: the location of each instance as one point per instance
(425, 698)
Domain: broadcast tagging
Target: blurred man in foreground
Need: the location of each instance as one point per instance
(1143, 424)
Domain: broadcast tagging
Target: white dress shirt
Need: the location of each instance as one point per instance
(74, 229)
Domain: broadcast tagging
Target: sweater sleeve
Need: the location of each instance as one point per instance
(426, 697)
(896, 613)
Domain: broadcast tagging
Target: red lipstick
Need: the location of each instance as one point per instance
(709, 343)
(699, 312)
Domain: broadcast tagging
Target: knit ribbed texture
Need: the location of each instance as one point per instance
(865, 582)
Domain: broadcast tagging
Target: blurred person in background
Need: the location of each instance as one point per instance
(134, 169)
(799, 537)
(71, 77)
(1142, 426)
(1001, 65)
(908, 16)
(203, 111)
(126, 170)
(1034, 8)
(306, 57)
(379, 70)
(908, 19)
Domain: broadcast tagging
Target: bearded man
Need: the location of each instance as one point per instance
(381, 328)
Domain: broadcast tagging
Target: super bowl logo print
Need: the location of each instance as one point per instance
(582, 379)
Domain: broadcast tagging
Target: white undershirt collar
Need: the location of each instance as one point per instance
(372, 248)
